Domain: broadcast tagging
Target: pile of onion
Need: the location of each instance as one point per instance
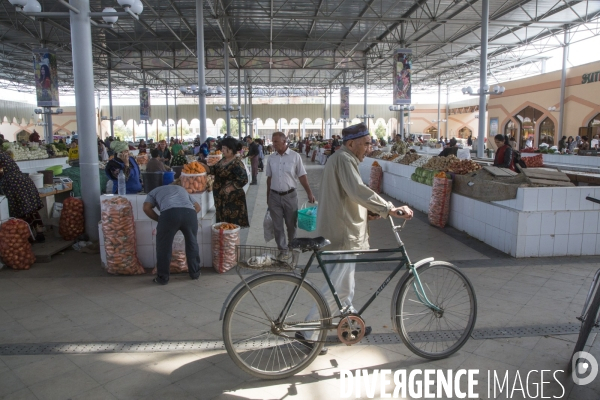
(15, 248)
(72, 223)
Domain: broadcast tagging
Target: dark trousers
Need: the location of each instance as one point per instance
(169, 223)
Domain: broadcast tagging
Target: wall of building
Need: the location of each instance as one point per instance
(582, 100)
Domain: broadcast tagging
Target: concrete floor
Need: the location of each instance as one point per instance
(72, 300)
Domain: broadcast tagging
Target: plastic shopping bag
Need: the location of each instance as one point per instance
(268, 228)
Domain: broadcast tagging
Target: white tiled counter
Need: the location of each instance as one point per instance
(32, 166)
(539, 222)
(562, 159)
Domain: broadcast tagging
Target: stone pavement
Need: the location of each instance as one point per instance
(72, 300)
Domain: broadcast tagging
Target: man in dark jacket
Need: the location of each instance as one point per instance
(253, 153)
(451, 149)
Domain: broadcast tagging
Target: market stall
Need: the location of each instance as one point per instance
(538, 222)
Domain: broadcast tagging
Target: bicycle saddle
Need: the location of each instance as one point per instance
(309, 244)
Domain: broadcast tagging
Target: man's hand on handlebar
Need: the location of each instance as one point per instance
(401, 212)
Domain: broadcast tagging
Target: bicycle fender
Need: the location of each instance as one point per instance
(401, 283)
(237, 289)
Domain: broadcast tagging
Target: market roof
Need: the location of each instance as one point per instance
(298, 45)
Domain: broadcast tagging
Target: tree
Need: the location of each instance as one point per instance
(233, 126)
(380, 130)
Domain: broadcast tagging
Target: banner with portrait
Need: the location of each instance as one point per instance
(345, 102)
(46, 78)
(402, 76)
(144, 104)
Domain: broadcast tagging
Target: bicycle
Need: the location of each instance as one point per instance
(433, 307)
(589, 315)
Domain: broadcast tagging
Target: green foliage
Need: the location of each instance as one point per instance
(380, 130)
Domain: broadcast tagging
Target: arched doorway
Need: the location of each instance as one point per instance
(464, 132)
(527, 118)
(547, 132)
(594, 126)
(432, 131)
(510, 129)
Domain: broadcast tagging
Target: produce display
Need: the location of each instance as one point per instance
(424, 176)
(409, 158)
(387, 156)
(59, 151)
(224, 242)
(439, 205)
(20, 153)
(534, 161)
(440, 163)
(400, 148)
(212, 159)
(118, 230)
(462, 167)
(15, 248)
(420, 161)
(225, 226)
(71, 222)
(142, 159)
(178, 257)
(193, 177)
(374, 153)
(376, 178)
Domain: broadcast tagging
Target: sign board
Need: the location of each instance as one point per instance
(402, 76)
(344, 102)
(144, 104)
(46, 78)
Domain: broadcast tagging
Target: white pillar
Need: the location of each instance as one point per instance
(563, 80)
(201, 75)
(485, 16)
(83, 77)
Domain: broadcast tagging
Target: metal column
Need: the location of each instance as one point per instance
(176, 115)
(447, 109)
(239, 118)
(250, 110)
(439, 105)
(401, 133)
(246, 119)
(83, 74)
(110, 107)
(408, 127)
(485, 17)
(227, 112)
(325, 115)
(147, 121)
(167, 100)
(563, 79)
(344, 85)
(201, 76)
(365, 98)
(330, 109)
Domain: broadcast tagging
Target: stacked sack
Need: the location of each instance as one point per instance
(72, 223)
(225, 238)
(15, 248)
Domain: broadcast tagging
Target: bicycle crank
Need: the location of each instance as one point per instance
(351, 330)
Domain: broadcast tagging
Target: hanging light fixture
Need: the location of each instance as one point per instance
(32, 6)
(137, 7)
(110, 20)
(18, 3)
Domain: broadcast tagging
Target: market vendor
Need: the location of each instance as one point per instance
(505, 156)
(142, 147)
(177, 213)
(585, 145)
(179, 159)
(34, 137)
(155, 164)
(123, 162)
(74, 151)
(347, 204)
(23, 197)
(164, 154)
(451, 149)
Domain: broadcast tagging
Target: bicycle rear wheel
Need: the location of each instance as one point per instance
(433, 334)
(251, 321)
(586, 327)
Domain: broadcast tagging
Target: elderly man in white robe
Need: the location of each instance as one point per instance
(347, 204)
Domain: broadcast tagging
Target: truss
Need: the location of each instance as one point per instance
(293, 47)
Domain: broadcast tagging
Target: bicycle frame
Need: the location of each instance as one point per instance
(403, 260)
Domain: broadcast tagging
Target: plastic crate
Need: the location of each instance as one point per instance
(307, 218)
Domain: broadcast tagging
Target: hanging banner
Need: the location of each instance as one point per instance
(402, 76)
(46, 78)
(144, 104)
(344, 102)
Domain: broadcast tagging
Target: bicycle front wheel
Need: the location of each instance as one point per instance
(252, 326)
(591, 316)
(436, 334)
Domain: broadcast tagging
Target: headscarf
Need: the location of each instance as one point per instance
(118, 146)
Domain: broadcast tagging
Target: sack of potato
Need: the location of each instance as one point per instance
(15, 248)
(212, 159)
(225, 237)
(71, 219)
(193, 177)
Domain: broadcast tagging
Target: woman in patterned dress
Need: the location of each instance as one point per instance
(23, 197)
(228, 189)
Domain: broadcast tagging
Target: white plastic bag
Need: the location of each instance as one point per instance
(268, 228)
(57, 210)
